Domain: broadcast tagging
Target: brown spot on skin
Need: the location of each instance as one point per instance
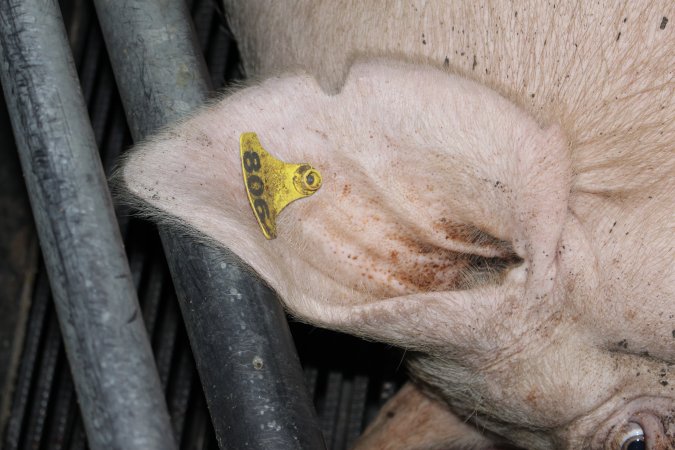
(346, 189)
(424, 249)
(423, 277)
(323, 134)
(532, 397)
(664, 22)
(630, 314)
(471, 235)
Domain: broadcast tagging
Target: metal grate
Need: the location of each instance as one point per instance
(348, 378)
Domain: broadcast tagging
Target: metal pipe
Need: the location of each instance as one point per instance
(111, 360)
(245, 355)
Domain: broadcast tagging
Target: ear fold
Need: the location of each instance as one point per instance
(441, 203)
(413, 421)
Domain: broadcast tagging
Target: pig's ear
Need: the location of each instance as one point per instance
(442, 202)
(413, 421)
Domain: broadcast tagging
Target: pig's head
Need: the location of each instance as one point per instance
(450, 224)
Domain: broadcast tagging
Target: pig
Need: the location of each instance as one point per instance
(497, 200)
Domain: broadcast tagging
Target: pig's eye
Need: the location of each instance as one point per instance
(633, 438)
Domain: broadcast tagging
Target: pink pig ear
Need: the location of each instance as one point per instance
(442, 202)
(413, 421)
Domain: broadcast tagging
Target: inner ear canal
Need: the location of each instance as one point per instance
(482, 271)
(456, 256)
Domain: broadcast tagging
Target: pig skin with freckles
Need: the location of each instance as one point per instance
(497, 199)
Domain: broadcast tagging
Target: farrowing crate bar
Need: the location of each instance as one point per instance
(116, 381)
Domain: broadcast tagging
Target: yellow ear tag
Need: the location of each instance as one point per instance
(272, 184)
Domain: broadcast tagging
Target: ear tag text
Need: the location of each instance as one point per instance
(272, 184)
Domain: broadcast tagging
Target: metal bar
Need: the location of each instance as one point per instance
(107, 346)
(243, 349)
